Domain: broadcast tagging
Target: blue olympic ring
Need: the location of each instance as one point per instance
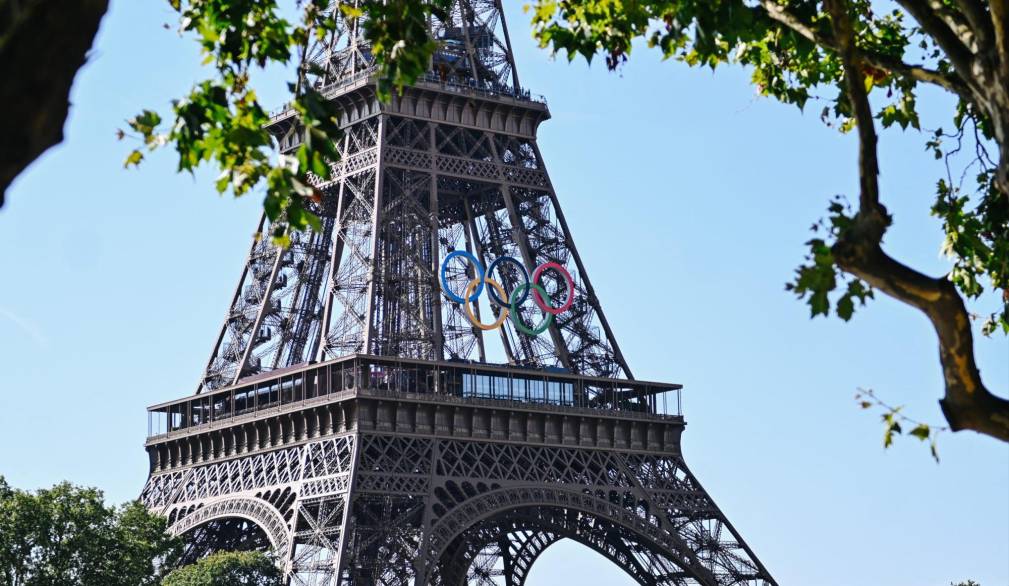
(444, 278)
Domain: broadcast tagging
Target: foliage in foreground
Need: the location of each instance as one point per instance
(839, 52)
(240, 568)
(221, 121)
(66, 535)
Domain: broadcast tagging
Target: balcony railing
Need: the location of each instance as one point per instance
(486, 90)
(478, 383)
(466, 87)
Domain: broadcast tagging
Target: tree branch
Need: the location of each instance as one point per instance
(918, 73)
(998, 105)
(1000, 23)
(956, 51)
(781, 14)
(41, 48)
(957, 23)
(853, 79)
(967, 403)
(977, 17)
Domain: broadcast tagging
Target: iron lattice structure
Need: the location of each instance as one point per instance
(350, 418)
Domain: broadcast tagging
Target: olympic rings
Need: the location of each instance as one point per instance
(517, 318)
(508, 304)
(503, 314)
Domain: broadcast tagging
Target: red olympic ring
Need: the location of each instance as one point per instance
(567, 277)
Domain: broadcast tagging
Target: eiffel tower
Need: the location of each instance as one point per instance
(369, 416)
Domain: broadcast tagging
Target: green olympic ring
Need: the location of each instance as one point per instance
(513, 301)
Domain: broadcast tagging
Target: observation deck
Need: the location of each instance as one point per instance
(457, 101)
(452, 399)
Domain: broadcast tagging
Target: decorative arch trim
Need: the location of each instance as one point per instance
(489, 504)
(547, 532)
(255, 510)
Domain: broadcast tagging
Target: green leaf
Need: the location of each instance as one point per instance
(845, 307)
(145, 122)
(921, 431)
(134, 159)
(891, 427)
(319, 166)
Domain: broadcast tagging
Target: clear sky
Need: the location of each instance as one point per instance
(689, 198)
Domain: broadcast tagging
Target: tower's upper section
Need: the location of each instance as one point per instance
(474, 52)
(437, 190)
(472, 79)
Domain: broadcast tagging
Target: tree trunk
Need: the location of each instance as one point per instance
(42, 45)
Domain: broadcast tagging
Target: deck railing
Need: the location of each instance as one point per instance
(466, 87)
(462, 381)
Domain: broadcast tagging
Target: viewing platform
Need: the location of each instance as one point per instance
(372, 393)
(503, 385)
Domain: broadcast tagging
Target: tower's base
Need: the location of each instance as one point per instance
(361, 482)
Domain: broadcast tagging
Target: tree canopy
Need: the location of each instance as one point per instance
(66, 535)
(230, 568)
(841, 53)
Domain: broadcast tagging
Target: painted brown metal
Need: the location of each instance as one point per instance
(350, 417)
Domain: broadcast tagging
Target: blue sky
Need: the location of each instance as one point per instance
(689, 198)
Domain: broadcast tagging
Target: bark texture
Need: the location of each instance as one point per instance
(42, 46)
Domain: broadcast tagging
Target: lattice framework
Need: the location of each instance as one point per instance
(379, 509)
(451, 164)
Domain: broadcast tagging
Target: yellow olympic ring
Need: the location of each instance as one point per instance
(469, 310)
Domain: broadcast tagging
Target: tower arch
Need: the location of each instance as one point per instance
(226, 519)
(509, 561)
(636, 541)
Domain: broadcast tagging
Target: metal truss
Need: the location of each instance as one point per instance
(352, 480)
(367, 508)
(417, 180)
(474, 49)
